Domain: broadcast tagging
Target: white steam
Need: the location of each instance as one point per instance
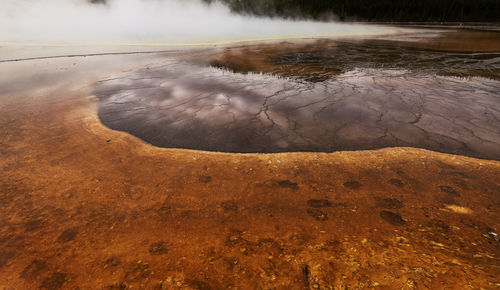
(151, 21)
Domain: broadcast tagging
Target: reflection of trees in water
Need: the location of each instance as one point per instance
(326, 60)
(188, 106)
(344, 57)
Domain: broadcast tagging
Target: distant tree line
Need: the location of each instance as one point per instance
(373, 10)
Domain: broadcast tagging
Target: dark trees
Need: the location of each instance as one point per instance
(374, 10)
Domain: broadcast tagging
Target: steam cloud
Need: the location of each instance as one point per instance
(151, 21)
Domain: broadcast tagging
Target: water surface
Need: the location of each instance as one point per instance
(321, 96)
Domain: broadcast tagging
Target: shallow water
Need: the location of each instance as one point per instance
(321, 96)
(343, 57)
